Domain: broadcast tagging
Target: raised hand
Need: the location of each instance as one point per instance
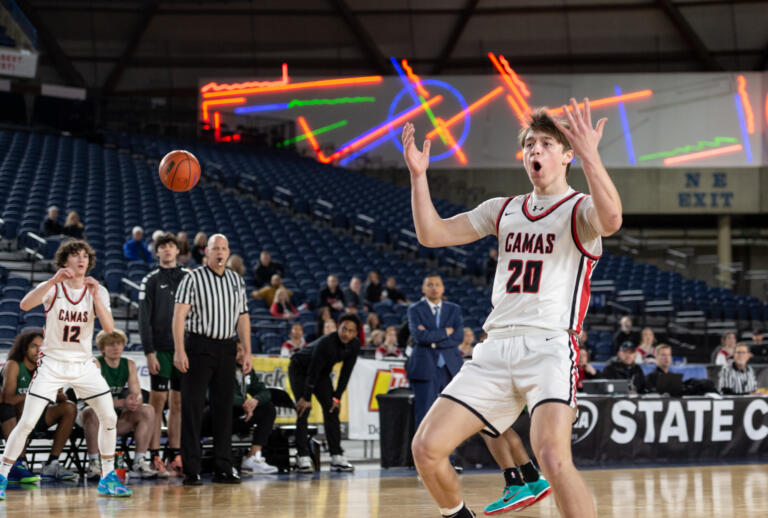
(583, 137)
(63, 273)
(417, 161)
(93, 286)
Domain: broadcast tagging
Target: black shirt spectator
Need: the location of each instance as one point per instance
(198, 247)
(73, 227)
(354, 294)
(392, 293)
(373, 288)
(266, 269)
(331, 295)
(625, 368)
(51, 225)
(625, 334)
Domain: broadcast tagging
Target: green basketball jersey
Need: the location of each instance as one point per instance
(117, 378)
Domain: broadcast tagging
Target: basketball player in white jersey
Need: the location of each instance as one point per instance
(549, 243)
(72, 302)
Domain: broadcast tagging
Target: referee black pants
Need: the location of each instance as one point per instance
(324, 394)
(211, 370)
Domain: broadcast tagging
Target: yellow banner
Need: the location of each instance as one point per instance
(274, 373)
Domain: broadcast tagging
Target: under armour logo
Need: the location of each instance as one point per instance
(536, 208)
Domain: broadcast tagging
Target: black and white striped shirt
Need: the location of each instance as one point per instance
(735, 381)
(216, 302)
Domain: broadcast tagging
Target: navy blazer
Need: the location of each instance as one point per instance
(422, 364)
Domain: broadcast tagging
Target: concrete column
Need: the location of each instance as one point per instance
(724, 257)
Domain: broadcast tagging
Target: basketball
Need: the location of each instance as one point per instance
(179, 170)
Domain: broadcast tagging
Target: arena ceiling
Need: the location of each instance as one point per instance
(162, 46)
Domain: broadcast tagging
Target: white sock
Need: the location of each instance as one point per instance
(5, 468)
(93, 456)
(146, 455)
(107, 466)
(448, 512)
(257, 455)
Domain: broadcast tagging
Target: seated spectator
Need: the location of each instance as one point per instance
(252, 413)
(332, 295)
(329, 326)
(266, 269)
(376, 339)
(235, 263)
(723, 354)
(490, 265)
(295, 341)
(51, 225)
(586, 370)
(388, 349)
(152, 247)
(185, 251)
(372, 323)
(282, 307)
(625, 368)
(73, 227)
(759, 346)
(663, 362)
(19, 369)
(133, 415)
(135, 249)
(198, 247)
(267, 293)
(355, 294)
(323, 314)
(624, 334)
(373, 288)
(468, 343)
(646, 347)
(392, 293)
(738, 378)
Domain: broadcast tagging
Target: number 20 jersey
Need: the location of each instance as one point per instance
(69, 320)
(543, 271)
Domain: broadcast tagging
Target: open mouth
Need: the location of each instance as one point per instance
(536, 165)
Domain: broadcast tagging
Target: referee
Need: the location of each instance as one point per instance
(214, 299)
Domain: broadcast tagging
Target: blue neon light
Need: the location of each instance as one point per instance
(405, 80)
(262, 108)
(625, 126)
(743, 125)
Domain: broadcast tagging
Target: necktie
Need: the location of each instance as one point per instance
(440, 359)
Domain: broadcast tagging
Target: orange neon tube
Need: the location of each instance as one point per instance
(451, 141)
(749, 115)
(516, 109)
(415, 79)
(605, 101)
(217, 125)
(766, 109)
(703, 154)
(219, 102)
(515, 78)
(373, 135)
(518, 96)
(472, 107)
(248, 84)
(308, 133)
(299, 86)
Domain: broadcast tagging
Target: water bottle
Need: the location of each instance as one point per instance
(120, 466)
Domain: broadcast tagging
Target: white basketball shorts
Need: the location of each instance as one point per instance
(506, 374)
(51, 375)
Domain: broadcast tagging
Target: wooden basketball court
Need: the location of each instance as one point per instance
(721, 491)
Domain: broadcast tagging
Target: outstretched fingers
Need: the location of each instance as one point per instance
(600, 126)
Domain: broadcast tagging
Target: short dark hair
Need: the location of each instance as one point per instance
(541, 120)
(20, 345)
(165, 239)
(351, 317)
(73, 246)
(429, 275)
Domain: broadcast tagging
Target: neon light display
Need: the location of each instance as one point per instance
(215, 87)
(607, 101)
(417, 99)
(415, 79)
(743, 126)
(318, 131)
(625, 126)
(518, 103)
(325, 83)
(699, 146)
(469, 109)
(220, 102)
(330, 102)
(749, 114)
(703, 154)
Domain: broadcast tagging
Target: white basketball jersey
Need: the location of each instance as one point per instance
(69, 319)
(543, 271)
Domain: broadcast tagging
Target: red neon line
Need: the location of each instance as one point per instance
(766, 108)
(703, 154)
(515, 78)
(415, 79)
(219, 102)
(249, 84)
(216, 125)
(748, 113)
(355, 144)
(507, 79)
(451, 141)
(472, 107)
(605, 101)
(299, 86)
(516, 109)
(308, 132)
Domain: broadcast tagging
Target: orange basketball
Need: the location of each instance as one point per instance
(179, 170)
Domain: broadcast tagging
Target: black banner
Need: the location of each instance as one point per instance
(612, 430)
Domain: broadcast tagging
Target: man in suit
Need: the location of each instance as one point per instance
(437, 329)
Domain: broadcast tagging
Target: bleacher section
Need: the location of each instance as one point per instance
(114, 186)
